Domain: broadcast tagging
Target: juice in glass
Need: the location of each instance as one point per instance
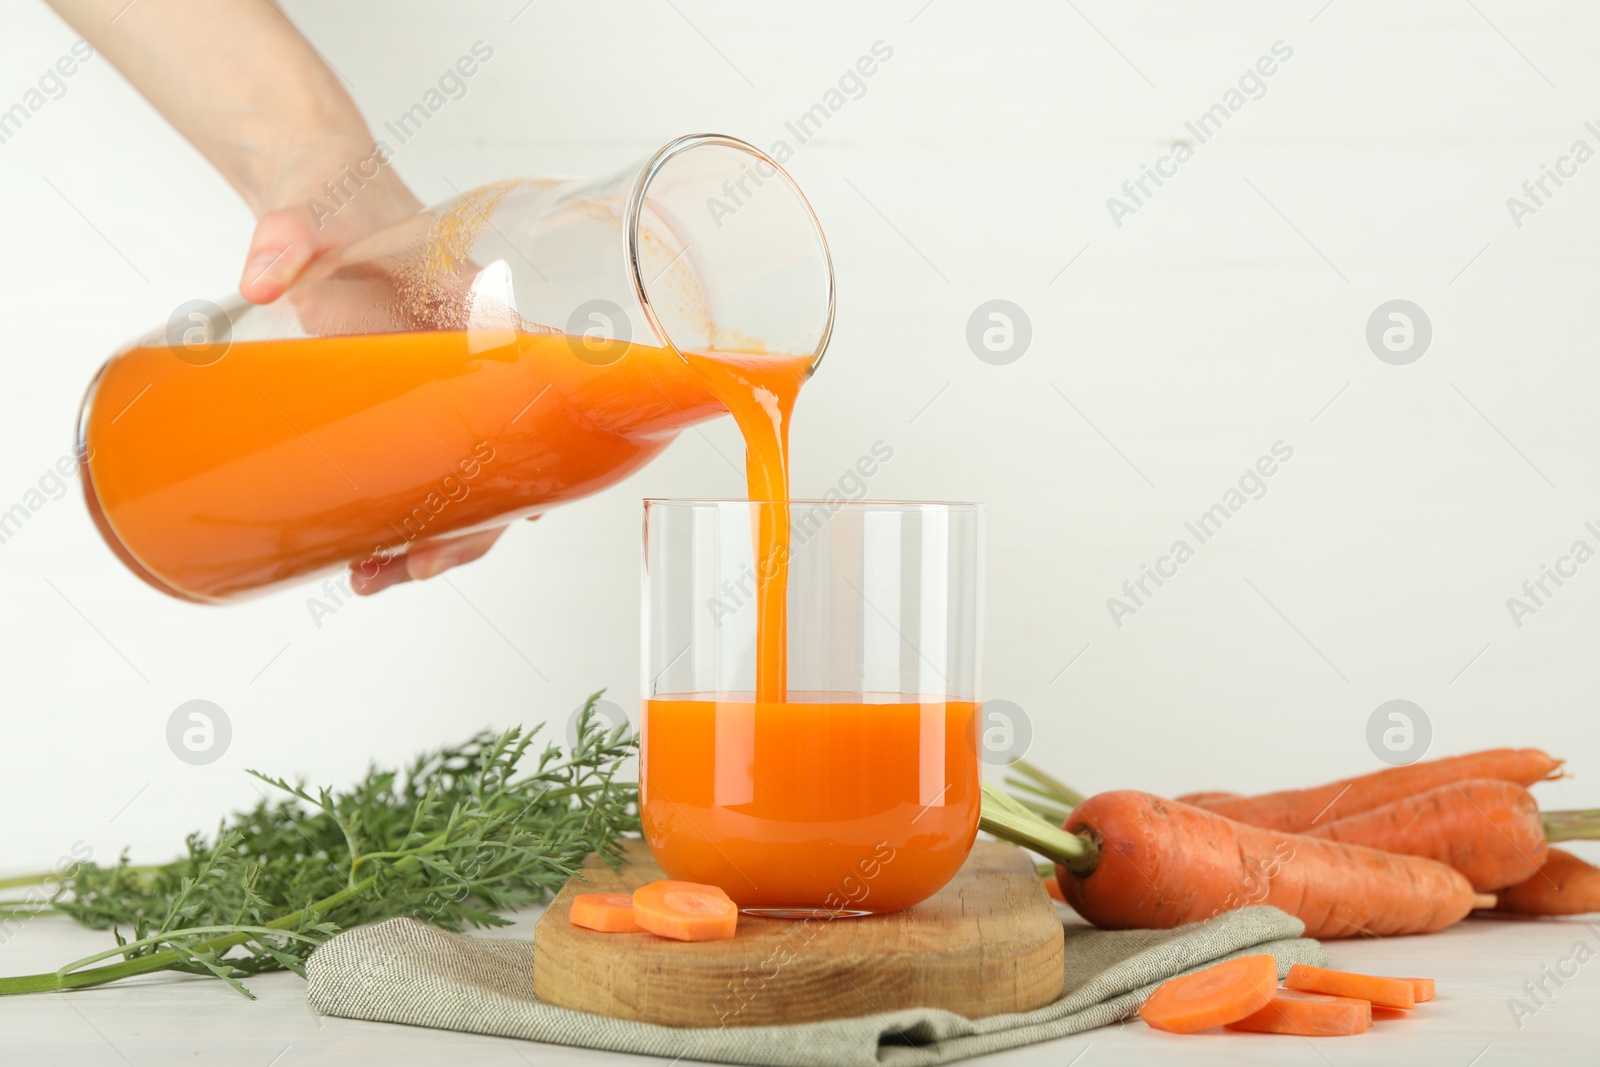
(818, 801)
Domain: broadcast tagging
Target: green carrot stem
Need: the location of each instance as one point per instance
(1048, 812)
(156, 939)
(44, 983)
(161, 961)
(1057, 790)
(1050, 796)
(1010, 821)
(1572, 825)
(22, 881)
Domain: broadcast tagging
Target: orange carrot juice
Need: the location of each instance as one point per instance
(289, 457)
(801, 802)
(842, 805)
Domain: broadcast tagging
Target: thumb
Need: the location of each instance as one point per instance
(282, 245)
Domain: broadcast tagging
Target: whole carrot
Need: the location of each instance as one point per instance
(1296, 810)
(1565, 885)
(1131, 860)
(1490, 831)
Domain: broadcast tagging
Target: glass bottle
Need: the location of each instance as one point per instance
(482, 361)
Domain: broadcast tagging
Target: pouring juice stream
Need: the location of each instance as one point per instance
(760, 393)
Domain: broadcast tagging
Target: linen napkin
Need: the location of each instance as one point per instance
(405, 971)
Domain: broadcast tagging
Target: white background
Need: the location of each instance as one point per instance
(1226, 314)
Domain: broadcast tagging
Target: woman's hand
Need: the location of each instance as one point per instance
(298, 219)
(423, 559)
(242, 85)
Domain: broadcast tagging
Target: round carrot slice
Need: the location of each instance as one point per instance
(1309, 1015)
(1216, 996)
(685, 911)
(610, 913)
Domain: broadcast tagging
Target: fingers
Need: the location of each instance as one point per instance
(284, 242)
(391, 571)
(423, 561)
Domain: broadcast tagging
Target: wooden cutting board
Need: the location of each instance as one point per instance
(989, 942)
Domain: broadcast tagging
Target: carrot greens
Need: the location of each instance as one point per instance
(459, 836)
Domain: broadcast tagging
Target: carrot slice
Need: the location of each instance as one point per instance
(1221, 994)
(1053, 887)
(1308, 1015)
(685, 911)
(1422, 988)
(610, 913)
(1386, 992)
(1382, 1014)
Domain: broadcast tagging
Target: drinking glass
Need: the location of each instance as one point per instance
(860, 792)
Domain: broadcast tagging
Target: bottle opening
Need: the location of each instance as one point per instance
(726, 254)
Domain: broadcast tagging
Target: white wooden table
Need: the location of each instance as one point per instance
(171, 1019)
